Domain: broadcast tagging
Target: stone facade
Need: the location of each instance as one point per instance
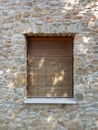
(19, 18)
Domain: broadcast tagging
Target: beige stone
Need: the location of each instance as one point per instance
(2, 20)
(93, 18)
(96, 30)
(38, 8)
(36, 123)
(22, 68)
(18, 16)
(61, 123)
(78, 62)
(5, 66)
(81, 71)
(29, 4)
(4, 1)
(95, 62)
(75, 12)
(4, 55)
(10, 34)
(10, 18)
(79, 38)
(7, 45)
(16, 30)
(80, 16)
(26, 14)
(75, 125)
(36, 15)
(43, 114)
(48, 19)
(67, 16)
(20, 80)
(14, 68)
(4, 127)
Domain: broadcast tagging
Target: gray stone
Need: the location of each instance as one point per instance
(61, 123)
(79, 96)
(78, 62)
(4, 127)
(76, 125)
(81, 71)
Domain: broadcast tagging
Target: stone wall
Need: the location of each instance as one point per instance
(19, 18)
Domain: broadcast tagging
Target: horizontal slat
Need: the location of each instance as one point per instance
(49, 94)
(60, 39)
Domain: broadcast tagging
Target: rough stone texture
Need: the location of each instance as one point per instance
(48, 18)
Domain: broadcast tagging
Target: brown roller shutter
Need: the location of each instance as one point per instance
(50, 67)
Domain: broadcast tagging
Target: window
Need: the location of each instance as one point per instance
(50, 67)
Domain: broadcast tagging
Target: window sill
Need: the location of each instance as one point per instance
(50, 100)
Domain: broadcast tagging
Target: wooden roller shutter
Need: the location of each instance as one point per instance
(50, 67)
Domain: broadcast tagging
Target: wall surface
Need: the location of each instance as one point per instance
(44, 18)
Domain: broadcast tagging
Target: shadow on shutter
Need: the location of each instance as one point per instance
(50, 67)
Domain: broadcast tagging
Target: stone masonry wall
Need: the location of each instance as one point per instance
(44, 18)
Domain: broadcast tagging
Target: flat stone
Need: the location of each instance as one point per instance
(22, 68)
(20, 80)
(29, 4)
(7, 45)
(79, 96)
(67, 16)
(43, 114)
(4, 1)
(10, 18)
(4, 55)
(4, 127)
(72, 28)
(38, 14)
(36, 123)
(48, 18)
(61, 123)
(79, 38)
(18, 16)
(14, 68)
(26, 14)
(95, 62)
(78, 62)
(80, 16)
(38, 8)
(2, 20)
(75, 12)
(81, 71)
(76, 125)
(93, 18)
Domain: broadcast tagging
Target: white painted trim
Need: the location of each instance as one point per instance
(50, 100)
